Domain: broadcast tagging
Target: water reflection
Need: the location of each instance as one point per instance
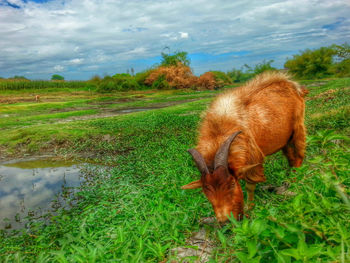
(28, 188)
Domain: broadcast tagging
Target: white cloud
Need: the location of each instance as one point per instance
(113, 35)
(183, 35)
(76, 61)
(58, 68)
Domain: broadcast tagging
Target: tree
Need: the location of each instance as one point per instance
(315, 63)
(57, 77)
(174, 59)
(341, 67)
(263, 66)
(342, 52)
(19, 77)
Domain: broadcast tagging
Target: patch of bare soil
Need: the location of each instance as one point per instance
(280, 190)
(198, 245)
(109, 102)
(317, 84)
(327, 95)
(12, 100)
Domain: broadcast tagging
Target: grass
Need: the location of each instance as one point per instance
(22, 110)
(136, 212)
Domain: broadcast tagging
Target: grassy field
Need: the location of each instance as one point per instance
(136, 212)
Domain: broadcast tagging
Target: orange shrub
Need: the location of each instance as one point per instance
(179, 77)
(207, 81)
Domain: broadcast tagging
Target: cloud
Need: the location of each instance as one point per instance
(58, 68)
(183, 35)
(111, 36)
(76, 61)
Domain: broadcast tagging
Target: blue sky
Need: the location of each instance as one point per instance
(81, 38)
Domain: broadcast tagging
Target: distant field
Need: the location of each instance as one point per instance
(21, 109)
(136, 212)
(29, 85)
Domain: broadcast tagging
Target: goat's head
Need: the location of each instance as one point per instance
(220, 187)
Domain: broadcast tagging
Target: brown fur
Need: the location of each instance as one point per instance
(269, 110)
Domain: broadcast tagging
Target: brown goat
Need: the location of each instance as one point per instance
(259, 119)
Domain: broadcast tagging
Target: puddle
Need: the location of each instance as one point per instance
(28, 188)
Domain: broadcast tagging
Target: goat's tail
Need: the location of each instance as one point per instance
(303, 91)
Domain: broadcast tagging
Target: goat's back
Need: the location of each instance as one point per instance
(267, 108)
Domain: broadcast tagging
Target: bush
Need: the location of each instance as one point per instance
(57, 77)
(247, 72)
(221, 79)
(263, 66)
(16, 77)
(126, 82)
(238, 75)
(119, 82)
(107, 85)
(206, 81)
(179, 76)
(160, 83)
(312, 63)
(95, 79)
(341, 67)
(141, 77)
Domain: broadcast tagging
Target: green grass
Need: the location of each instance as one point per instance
(30, 120)
(62, 105)
(136, 212)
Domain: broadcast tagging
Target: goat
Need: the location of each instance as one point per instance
(240, 128)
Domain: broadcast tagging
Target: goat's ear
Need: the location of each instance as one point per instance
(193, 185)
(241, 171)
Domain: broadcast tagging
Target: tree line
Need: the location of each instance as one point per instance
(174, 71)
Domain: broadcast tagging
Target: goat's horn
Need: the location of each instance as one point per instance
(221, 155)
(199, 160)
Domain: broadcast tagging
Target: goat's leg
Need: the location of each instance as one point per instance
(299, 141)
(250, 191)
(295, 149)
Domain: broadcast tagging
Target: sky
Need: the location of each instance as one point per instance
(81, 38)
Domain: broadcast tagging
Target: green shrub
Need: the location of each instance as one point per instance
(312, 63)
(57, 77)
(19, 77)
(129, 84)
(95, 79)
(160, 83)
(247, 72)
(263, 66)
(125, 82)
(221, 79)
(119, 82)
(140, 77)
(107, 86)
(238, 75)
(341, 67)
